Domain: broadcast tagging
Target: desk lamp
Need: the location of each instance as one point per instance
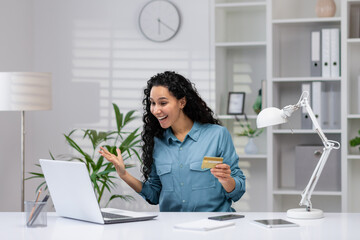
(24, 91)
(274, 116)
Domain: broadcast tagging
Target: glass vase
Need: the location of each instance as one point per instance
(251, 147)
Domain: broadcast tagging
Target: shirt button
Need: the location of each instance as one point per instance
(180, 148)
(183, 201)
(181, 165)
(182, 184)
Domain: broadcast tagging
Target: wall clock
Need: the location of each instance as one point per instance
(159, 20)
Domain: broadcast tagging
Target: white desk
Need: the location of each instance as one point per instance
(334, 226)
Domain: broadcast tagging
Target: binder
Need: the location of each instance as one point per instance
(306, 122)
(325, 105)
(316, 54)
(335, 52)
(325, 52)
(263, 94)
(358, 87)
(334, 106)
(316, 101)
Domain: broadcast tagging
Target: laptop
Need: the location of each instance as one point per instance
(73, 195)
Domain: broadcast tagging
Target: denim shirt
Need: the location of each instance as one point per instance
(178, 183)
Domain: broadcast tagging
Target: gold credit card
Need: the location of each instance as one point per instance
(210, 162)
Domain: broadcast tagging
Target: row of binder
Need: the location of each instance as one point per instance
(325, 53)
(325, 103)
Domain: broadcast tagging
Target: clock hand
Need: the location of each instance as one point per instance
(159, 25)
(159, 20)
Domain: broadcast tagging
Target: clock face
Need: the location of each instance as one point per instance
(159, 20)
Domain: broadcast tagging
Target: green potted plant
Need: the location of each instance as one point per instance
(251, 133)
(248, 131)
(102, 172)
(355, 141)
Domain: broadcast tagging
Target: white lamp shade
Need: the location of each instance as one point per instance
(269, 117)
(25, 91)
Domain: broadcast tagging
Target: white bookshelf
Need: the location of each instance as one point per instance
(351, 69)
(292, 22)
(281, 24)
(240, 66)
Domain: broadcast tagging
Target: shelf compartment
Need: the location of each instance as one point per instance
(353, 131)
(256, 190)
(353, 177)
(353, 75)
(241, 141)
(288, 93)
(239, 70)
(292, 48)
(241, 22)
(353, 20)
(284, 160)
(285, 9)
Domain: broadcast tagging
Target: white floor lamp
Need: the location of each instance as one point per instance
(24, 91)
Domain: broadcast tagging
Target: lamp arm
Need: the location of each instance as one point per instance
(306, 194)
(328, 146)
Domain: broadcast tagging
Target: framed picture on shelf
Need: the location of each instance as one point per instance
(236, 101)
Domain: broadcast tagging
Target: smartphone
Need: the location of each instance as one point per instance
(226, 217)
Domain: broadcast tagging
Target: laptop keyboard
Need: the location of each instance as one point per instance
(113, 216)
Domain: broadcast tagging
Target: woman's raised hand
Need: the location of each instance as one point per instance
(117, 161)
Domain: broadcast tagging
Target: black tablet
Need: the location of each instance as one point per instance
(275, 223)
(226, 217)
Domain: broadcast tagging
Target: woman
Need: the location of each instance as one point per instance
(179, 131)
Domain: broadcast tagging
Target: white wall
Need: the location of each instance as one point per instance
(16, 48)
(97, 56)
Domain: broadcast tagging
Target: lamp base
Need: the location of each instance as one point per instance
(302, 213)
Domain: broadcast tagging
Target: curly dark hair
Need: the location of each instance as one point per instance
(196, 109)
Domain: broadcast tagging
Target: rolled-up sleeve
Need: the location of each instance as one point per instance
(228, 152)
(152, 187)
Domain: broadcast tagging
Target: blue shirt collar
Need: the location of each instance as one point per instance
(193, 134)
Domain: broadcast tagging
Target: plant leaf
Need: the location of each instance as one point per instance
(51, 155)
(118, 117)
(129, 117)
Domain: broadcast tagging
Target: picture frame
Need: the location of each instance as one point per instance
(236, 102)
